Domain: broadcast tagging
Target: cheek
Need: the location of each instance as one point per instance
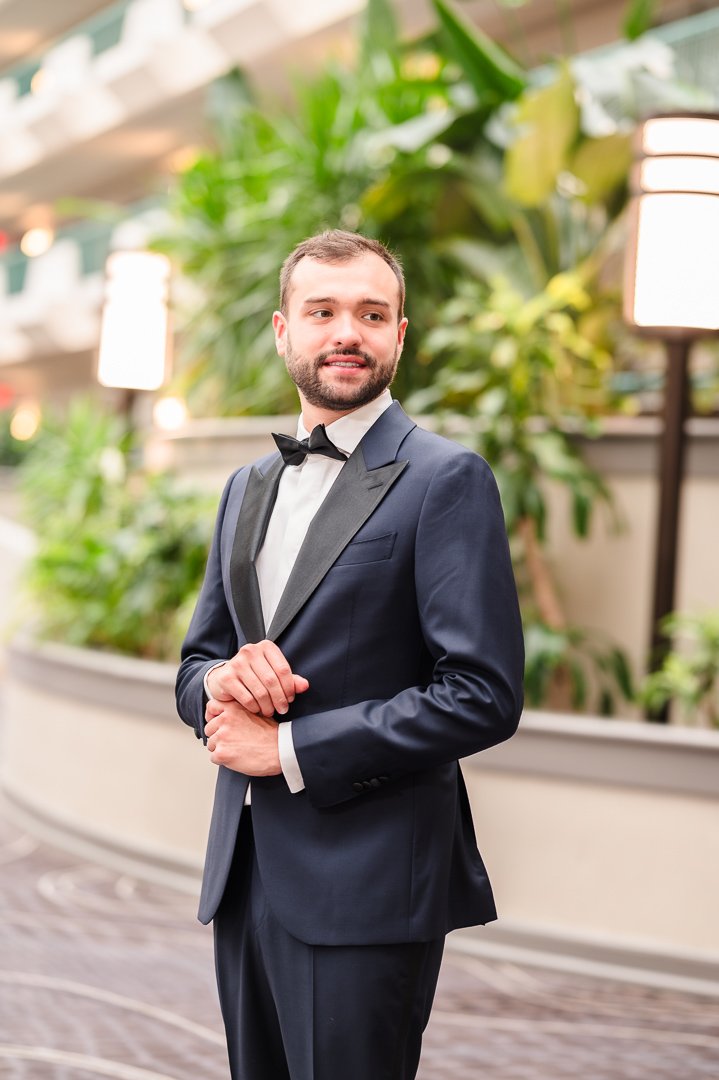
(391, 349)
(307, 340)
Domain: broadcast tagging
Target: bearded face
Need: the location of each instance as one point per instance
(341, 336)
(342, 379)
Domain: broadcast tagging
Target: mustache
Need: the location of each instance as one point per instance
(368, 360)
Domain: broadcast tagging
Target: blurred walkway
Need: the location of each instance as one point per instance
(103, 976)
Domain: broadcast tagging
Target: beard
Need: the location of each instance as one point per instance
(307, 377)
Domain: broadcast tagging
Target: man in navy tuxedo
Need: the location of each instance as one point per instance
(357, 633)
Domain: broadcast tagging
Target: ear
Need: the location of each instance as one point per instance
(401, 331)
(279, 325)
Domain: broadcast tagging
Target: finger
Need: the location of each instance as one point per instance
(260, 680)
(242, 695)
(267, 676)
(278, 662)
(213, 708)
(273, 697)
(212, 726)
(301, 684)
(250, 691)
(238, 692)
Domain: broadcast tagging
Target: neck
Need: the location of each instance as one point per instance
(312, 415)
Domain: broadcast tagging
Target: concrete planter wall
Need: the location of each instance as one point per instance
(601, 837)
(95, 758)
(205, 452)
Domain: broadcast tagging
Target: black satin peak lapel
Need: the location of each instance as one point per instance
(257, 503)
(354, 495)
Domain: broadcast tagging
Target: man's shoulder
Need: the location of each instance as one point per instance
(436, 450)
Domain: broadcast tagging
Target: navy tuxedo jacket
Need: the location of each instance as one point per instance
(401, 611)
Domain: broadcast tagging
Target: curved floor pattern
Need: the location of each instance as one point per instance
(105, 976)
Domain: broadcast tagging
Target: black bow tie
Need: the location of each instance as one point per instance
(294, 452)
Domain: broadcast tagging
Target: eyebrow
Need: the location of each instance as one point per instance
(367, 301)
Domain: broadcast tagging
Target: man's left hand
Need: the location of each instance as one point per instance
(241, 740)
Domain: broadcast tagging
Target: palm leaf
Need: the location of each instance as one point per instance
(485, 65)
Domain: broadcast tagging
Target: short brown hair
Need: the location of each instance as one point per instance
(336, 245)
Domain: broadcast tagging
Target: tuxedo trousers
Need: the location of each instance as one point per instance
(294, 1011)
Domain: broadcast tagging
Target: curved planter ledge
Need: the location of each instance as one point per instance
(95, 759)
(206, 451)
(602, 840)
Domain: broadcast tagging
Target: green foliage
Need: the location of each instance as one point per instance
(73, 467)
(120, 554)
(491, 72)
(639, 17)
(547, 120)
(526, 373)
(550, 147)
(446, 149)
(601, 166)
(590, 671)
(690, 675)
(12, 451)
(342, 156)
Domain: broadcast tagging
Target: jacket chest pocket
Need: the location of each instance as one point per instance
(373, 549)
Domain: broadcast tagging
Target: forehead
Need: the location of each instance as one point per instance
(363, 277)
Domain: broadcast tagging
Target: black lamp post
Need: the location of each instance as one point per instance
(672, 293)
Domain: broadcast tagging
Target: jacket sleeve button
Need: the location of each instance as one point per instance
(383, 779)
(358, 787)
(367, 785)
(375, 782)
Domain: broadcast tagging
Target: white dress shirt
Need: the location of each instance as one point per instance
(302, 490)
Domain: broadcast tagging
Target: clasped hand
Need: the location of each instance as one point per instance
(246, 692)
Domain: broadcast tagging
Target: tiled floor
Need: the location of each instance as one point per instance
(103, 976)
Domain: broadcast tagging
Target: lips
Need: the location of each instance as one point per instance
(344, 361)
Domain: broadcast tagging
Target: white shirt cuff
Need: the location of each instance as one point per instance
(204, 679)
(288, 758)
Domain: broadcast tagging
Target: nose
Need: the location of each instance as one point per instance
(347, 331)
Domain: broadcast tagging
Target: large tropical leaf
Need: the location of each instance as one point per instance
(548, 119)
(602, 165)
(379, 35)
(489, 69)
(639, 17)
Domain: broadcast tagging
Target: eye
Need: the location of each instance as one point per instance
(321, 313)
(374, 316)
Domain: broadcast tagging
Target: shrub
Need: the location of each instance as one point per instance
(121, 553)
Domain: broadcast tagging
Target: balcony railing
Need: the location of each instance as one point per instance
(141, 55)
(695, 43)
(102, 32)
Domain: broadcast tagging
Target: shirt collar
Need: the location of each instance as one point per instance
(347, 432)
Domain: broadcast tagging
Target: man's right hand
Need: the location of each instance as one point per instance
(259, 678)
